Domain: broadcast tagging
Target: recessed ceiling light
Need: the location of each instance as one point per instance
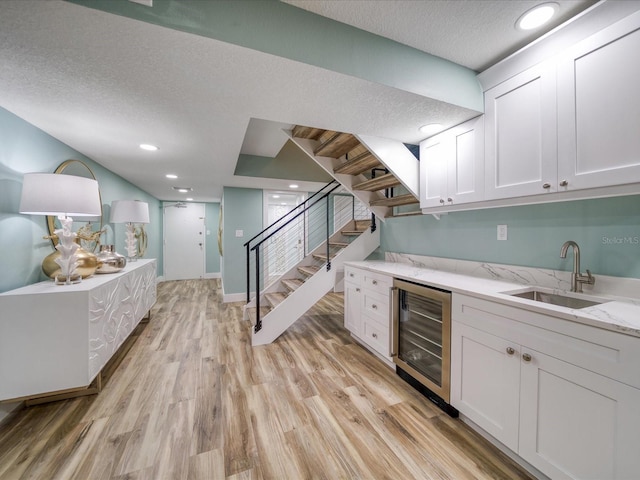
(275, 196)
(183, 189)
(293, 185)
(171, 176)
(189, 199)
(150, 148)
(431, 128)
(536, 16)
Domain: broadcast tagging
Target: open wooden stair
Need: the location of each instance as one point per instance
(284, 301)
(350, 162)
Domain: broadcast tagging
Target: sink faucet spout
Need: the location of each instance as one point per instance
(577, 279)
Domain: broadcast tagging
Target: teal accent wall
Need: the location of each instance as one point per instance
(280, 29)
(242, 211)
(291, 163)
(212, 215)
(607, 231)
(24, 149)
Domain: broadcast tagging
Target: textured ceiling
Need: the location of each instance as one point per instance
(103, 84)
(473, 33)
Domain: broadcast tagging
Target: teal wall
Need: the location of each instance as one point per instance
(212, 215)
(25, 148)
(607, 231)
(242, 211)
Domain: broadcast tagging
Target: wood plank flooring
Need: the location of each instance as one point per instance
(193, 400)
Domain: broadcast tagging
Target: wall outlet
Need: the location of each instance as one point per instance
(502, 232)
(239, 233)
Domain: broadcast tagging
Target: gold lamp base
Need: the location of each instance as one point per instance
(87, 264)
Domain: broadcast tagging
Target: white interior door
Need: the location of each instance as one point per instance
(184, 238)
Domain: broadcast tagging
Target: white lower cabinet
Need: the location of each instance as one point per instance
(525, 385)
(367, 309)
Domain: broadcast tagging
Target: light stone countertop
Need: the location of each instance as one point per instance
(618, 314)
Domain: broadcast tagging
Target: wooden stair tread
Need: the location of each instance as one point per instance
(357, 165)
(323, 256)
(291, 283)
(351, 233)
(378, 183)
(406, 199)
(307, 132)
(337, 145)
(274, 298)
(252, 313)
(339, 244)
(308, 269)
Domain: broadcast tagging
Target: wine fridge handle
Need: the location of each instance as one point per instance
(395, 321)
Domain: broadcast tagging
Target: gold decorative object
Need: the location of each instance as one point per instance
(87, 263)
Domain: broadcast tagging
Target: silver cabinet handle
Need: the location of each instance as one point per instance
(546, 185)
(375, 335)
(526, 357)
(374, 306)
(442, 201)
(357, 289)
(351, 274)
(374, 282)
(450, 200)
(510, 351)
(564, 183)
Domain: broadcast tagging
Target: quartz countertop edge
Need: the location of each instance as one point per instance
(616, 314)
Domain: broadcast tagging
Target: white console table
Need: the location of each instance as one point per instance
(55, 339)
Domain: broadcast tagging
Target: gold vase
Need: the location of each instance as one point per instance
(87, 263)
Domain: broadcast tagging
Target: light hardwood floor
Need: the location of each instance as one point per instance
(193, 400)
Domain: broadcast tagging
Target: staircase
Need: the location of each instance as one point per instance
(286, 298)
(381, 173)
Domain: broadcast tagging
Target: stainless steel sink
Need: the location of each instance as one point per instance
(556, 299)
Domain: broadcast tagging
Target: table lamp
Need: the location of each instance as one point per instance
(130, 212)
(66, 196)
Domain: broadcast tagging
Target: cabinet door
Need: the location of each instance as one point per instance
(485, 381)
(599, 109)
(520, 135)
(465, 166)
(352, 307)
(577, 424)
(434, 153)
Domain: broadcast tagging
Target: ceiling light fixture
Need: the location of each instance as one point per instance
(148, 147)
(431, 128)
(189, 199)
(293, 185)
(275, 196)
(171, 176)
(537, 16)
(183, 189)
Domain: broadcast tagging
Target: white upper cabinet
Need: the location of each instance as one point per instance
(520, 135)
(452, 166)
(599, 109)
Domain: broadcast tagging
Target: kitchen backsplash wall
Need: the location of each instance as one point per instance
(607, 231)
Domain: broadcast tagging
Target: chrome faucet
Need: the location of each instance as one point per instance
(577, 279)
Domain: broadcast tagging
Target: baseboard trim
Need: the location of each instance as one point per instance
(213, 275)
(234, 297)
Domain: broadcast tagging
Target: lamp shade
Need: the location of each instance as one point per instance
(56, 194)
(129, 211)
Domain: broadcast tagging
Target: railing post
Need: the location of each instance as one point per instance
(327, 225)
(258, 319)
(248, 275)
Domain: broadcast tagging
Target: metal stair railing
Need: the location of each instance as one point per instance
(313, 218)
